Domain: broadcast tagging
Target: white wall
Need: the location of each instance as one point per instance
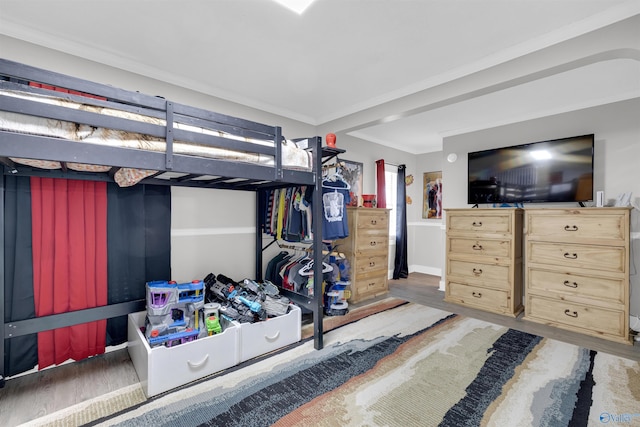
(426, 244)
(616, 159)
(617, 146)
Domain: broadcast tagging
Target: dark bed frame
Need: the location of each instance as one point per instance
(217, 174)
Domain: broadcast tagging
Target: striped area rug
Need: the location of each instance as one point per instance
(411, 366)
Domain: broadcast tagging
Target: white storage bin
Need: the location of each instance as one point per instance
(274, 333)
(163, 368)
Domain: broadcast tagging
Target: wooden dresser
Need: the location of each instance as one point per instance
(577, 270)
(484, 259)
(367, 249)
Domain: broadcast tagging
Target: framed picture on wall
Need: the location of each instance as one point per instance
(351, 172)
(432, 195)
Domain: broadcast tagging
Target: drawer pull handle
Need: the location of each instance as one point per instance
(570, 284)
(476, 294)
(372, 284)
(371, 264)
(477, 224)
(477, 247)
(196, 365)
(373, 243)
(571, 313)
(571, 228)
(273, 337)
(570, 256)
(477, 271)
(374, 222)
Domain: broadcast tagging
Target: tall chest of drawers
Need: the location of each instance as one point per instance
(577, 270)
(367, 249)
(484, 259)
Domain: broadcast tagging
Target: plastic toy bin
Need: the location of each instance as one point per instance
(163, 368)
(263, 337)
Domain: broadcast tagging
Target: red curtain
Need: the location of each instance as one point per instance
(381, 192)
(69, 236)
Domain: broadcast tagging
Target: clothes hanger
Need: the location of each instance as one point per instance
(336, 177)
(307, 270)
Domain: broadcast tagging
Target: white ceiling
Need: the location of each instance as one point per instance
(341, 58)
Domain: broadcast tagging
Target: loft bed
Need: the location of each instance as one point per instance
(57, 126)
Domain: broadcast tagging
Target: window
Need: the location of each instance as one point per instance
(391, 190)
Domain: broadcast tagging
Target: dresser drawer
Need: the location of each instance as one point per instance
(480, 273)
(576, 316)
(373, 221)
(480, 247)
(367, 243)
(478, 223)
(367, 264)
(602, 258)
(371, 283)
(489, 299)
(604, 289)
(574, 226)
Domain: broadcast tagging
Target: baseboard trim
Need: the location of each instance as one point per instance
(425, 269)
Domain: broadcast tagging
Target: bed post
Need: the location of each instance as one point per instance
(278, 141)
(2, 296)
(168, 161)
(317, 245)
(259, 250)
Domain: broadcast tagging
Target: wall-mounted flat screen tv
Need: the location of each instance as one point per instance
(559, 170)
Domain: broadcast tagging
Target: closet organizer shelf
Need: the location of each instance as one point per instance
(188, 146)
(290, 271)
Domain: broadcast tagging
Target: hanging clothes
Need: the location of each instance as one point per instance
(335, 198)
(283, 270)
(288, 214)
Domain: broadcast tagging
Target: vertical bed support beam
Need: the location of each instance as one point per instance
(258, 241)
(2, 295)
(169, 137)
(318, 297)
(278, 145)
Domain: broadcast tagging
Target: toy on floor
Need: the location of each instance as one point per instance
(335, 299)
(173, 312)
(246, 301)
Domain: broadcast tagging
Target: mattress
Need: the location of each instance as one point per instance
(293, 157)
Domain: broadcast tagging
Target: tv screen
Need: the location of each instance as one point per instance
(560, 170)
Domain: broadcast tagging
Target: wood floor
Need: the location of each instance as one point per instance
(32, 396)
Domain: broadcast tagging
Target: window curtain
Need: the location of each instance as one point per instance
(381, 198)
(69, 237)
(401, 268)
(138, 250)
